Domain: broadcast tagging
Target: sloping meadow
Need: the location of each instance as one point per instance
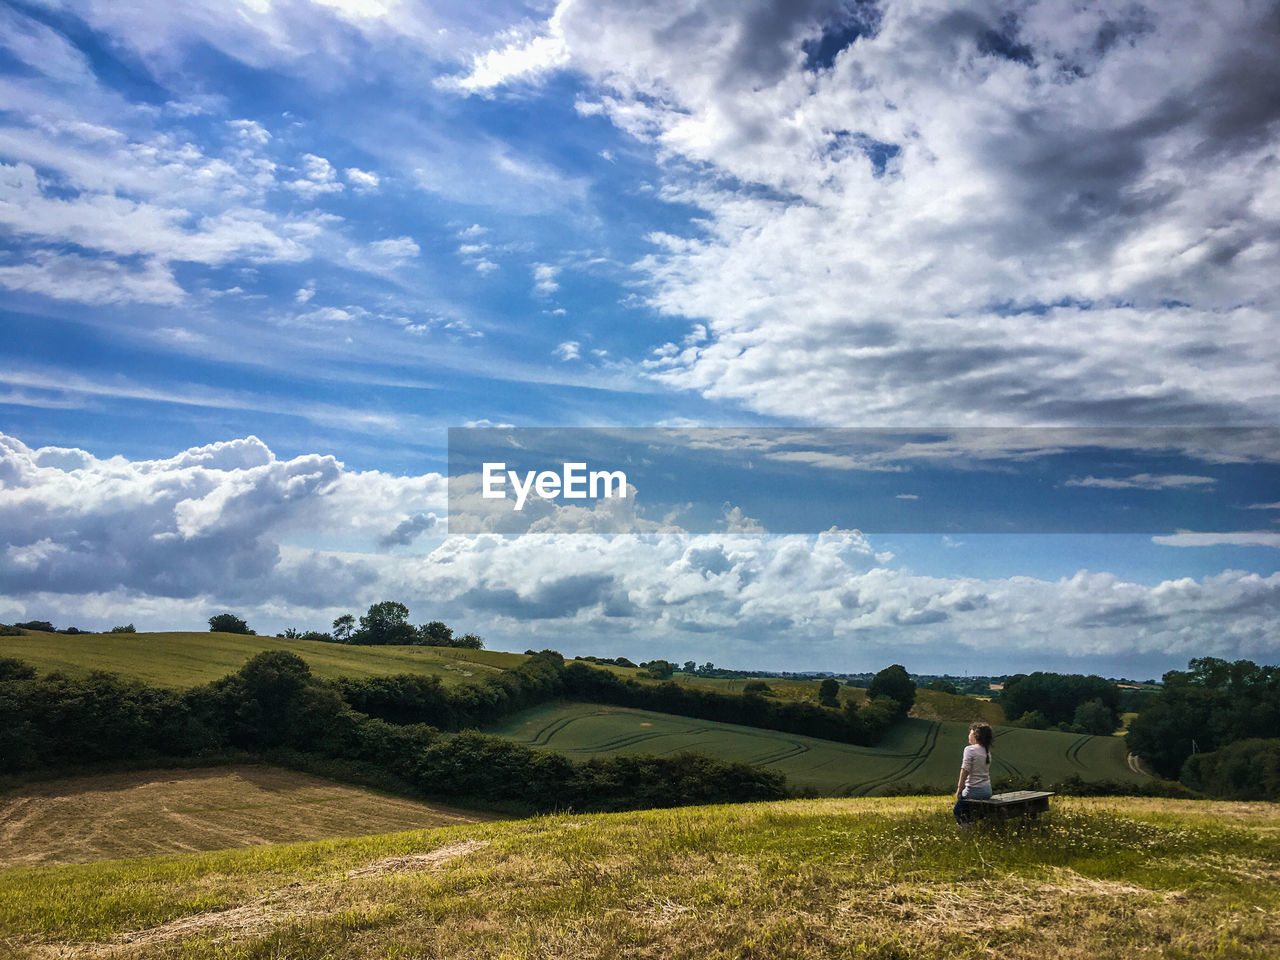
(880, 877)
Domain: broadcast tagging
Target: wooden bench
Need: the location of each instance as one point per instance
(1019, 803)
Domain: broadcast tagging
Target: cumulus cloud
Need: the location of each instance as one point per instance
(569, 350)
(941, 212)
(300, 538)
(544, 279)
(317, 177)
(362, 180)
(212, 520)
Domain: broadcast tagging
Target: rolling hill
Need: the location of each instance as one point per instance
(177, 660)
(920, 752)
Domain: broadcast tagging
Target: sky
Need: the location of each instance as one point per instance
(258, 257)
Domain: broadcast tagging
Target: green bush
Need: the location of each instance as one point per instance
(1244, 770)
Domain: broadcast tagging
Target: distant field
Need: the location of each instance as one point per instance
(929, 705)
(83, 819)
(886, 878)
(921, 752)
(187, 659)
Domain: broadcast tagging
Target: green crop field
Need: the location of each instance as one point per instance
(887, 878)
(929, 705)
(922, 752)
(187, 659)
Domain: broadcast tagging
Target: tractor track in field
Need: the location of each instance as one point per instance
(1073, 751)
(913, 763)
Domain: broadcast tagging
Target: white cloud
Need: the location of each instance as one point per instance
(362, 180)
(1049, 215)
(520, 58)
(906, 496)
(72, 277)
(544, 279)
(42, 49)
(1143, 481)
(230, 523)
(304, 294)
(397, 248)
(569, 350)
(1248, 538)
(318, 177)
(251, 132)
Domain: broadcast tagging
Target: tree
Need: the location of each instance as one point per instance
(469, 641)
(1094, 717)
(689, 667)
(229, 623)
(942, 686)
(1032, 720)
(1207, 707)
(829, 693)
(385, 623)
(127, 628)
(660, 669)
(894, 683)
(1058, 695)
(435, 634)
(343, 627)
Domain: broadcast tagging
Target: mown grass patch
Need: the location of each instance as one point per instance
(149, 812)
(836, 878)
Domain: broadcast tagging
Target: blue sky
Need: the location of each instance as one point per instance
(257, 257)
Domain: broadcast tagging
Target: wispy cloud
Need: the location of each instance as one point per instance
(1143, 481)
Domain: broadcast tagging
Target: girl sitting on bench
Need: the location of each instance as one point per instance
(975, 770)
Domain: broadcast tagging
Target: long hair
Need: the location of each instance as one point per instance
(982, 733)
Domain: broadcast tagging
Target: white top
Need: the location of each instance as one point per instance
(978, 764)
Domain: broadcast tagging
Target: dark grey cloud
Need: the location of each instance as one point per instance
(409, 530)
(556, 599)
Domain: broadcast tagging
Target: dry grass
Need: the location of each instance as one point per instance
(83, 819)
(886, 878)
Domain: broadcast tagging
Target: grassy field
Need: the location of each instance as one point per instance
(186, 659)
(82, 819)
(921, 752)
(179, 660)
(887, 878)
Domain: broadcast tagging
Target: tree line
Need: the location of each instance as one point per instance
(386, 623)
(1070, 702)
(547, 676)
(275, 708)
(1213, 726)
